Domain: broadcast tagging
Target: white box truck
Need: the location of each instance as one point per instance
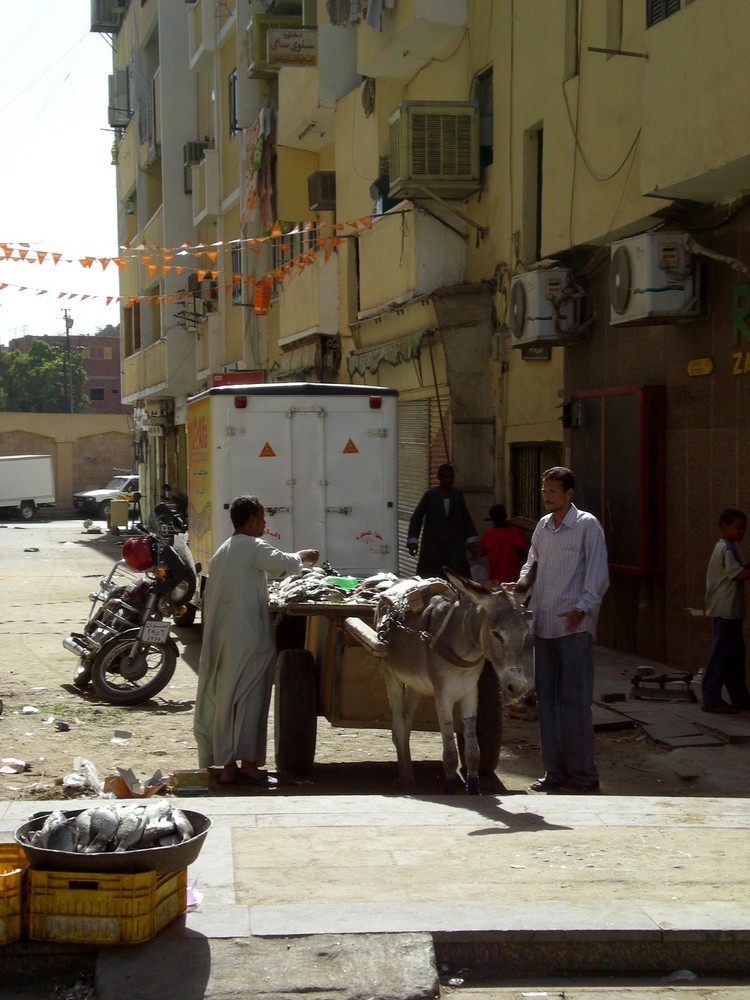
(322, 458)
(27, 482)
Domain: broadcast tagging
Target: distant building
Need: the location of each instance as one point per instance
(100, 357)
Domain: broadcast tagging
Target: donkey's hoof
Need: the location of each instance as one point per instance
(449, 786)
(472, 785)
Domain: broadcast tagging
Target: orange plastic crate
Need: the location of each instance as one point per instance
(91, 908)
(13, 867)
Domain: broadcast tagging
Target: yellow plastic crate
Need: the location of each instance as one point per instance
(13, 867)
(91, 908)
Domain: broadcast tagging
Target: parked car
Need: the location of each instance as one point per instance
(98, 503)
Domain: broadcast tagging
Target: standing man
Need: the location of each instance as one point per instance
(568, 554)
(239, 648)
(448, 529)
(725, 604)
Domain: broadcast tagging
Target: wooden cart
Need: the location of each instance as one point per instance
(326, 668)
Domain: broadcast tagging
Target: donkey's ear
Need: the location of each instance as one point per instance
(464, 583)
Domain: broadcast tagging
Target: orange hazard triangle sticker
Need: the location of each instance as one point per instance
(267, 451)
(350, 448)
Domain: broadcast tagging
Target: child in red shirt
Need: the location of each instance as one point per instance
(504, 545)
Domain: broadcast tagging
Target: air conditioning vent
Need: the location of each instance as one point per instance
(321, 191)
(543, 307)
(653, 279)
(434, 146)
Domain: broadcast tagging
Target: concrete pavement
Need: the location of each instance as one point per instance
(385, 896)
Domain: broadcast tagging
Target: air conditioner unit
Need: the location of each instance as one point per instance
(119, 113)
(106, 16)
(192, 153)
(321, 191)
(541, 310)
(652, 279)
(434, 147)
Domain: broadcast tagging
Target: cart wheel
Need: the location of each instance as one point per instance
(295, 711)
(489, 722)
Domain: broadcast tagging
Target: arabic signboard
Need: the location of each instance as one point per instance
(291, 46)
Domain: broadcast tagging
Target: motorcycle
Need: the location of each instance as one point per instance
(125, 650)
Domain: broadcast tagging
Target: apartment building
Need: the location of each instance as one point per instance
(526, 217)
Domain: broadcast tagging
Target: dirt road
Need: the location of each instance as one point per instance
(48, 570)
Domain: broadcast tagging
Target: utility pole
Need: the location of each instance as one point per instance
(67, 366)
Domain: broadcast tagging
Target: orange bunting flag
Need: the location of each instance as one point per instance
(42, 292)
(86, 261)
(22, 254)
(151, 270)
(353, 225)
(40, 255)
(211, 254)
(169, 298)
(336, 240)
(366, 221)
(321, 241)
(201, 275)
(338, 226)
(120, 263)
(109, 300)
(277, 230)
(104, 261)
(327, 255)
(278, 274)
(56, 257)
(255, 250)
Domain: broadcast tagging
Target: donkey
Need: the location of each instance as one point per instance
(440, 651)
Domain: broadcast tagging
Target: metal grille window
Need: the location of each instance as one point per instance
(660, 10)
(232, 88)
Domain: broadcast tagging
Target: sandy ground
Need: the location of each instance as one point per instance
(49, 569)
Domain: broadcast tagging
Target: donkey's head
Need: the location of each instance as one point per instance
(502, 632)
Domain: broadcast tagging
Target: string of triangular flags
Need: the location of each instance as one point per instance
(160, 259)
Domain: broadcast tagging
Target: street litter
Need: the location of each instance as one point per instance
(680, 976)
(11, 765)
(125, 784)
(121, 736)
(82, 781)
(194, 896)
(29, 710)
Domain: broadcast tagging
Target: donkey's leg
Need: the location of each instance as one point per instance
(468, 706)
(444, 703)
(403, 702)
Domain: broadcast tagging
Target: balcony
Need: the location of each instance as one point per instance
(308, 93)
(205, 181)
(414, 32)
(308, 302)
(202, 22)
(673, 164)
(264, 57)
(407, 255)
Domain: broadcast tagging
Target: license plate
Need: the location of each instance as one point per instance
(155, 632)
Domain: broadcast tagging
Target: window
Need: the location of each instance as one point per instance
(298, 237)
(131, 319)
(236, 249)
(533, 175)
(233, 127)
(571, 39)
(660, 10)
(96, 394)
(485, 103)
(617, 454)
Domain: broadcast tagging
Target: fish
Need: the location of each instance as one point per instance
(104, 823)
(57, 833)
(129, 828)
(183, 826)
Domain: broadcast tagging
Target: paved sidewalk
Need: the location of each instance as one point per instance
(503, 886)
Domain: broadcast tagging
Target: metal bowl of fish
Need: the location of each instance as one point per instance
(115, 837)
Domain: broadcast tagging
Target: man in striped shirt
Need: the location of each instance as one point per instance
(567, 561)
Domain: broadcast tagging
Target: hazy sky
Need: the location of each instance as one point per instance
(57, 182)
